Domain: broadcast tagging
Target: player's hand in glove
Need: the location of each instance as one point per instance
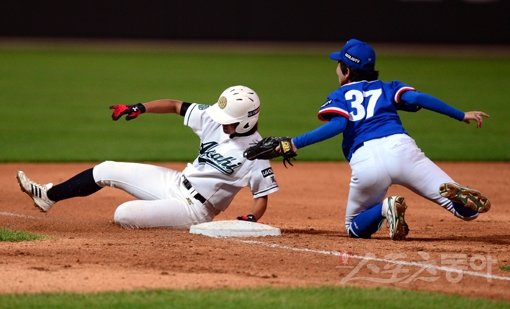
(131, 111)
(272, 147)
(249, 217)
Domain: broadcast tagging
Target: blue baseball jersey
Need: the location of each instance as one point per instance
(370, 108)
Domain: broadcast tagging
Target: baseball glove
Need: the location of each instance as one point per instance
(272, 147)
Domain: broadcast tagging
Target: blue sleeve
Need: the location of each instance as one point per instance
(332, 128)
(408, 107)
(431, 103)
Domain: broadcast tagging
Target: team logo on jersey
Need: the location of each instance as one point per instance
(203, 106)
(208, 155)
(267, 172)
(222, 102)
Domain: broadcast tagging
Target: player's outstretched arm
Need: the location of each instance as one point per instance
(130, 111)
(163, 106)
(257, 211)
(168, 106)
(476, 116)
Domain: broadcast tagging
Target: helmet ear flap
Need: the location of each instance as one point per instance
(245, 126)
(251, 119)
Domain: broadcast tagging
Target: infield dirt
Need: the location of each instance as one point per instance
(85, 251)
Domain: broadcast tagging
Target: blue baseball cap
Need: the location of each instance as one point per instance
(356, 54)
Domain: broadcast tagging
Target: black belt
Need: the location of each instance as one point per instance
(188, 186)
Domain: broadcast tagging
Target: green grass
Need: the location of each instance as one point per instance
(9, 235)
(55, 101)
(505, 267)
(250, 298)
(55, 108)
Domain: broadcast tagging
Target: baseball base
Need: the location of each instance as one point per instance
(234, 228)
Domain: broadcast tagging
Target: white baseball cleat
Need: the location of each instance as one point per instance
(394, 208)
(37, 192)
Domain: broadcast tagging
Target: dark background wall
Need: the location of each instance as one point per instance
(418, 21)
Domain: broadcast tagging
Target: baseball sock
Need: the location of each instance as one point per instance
(82, 184)
(464, 212)
(367, 223)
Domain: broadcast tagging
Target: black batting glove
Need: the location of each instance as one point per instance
(131, 111)
(249, 217)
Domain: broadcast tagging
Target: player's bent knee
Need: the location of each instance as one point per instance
(101, 173)
(123, 217)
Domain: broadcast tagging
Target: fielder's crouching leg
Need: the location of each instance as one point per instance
(366, 223)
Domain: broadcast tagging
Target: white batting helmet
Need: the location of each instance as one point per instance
(237, 104)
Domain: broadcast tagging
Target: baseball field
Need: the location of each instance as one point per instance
(56, 122)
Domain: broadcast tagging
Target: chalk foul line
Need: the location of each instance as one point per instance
(375, 259)
(12, 214)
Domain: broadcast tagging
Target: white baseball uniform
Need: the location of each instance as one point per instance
(378, 164)
(169, 198)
